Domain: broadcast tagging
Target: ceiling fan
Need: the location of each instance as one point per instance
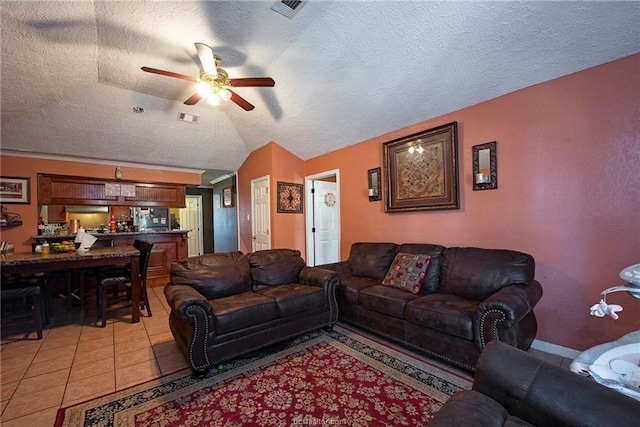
(214, 82)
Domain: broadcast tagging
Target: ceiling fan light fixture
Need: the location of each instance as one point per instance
(213, 100)
(204, 89)
(224, 93)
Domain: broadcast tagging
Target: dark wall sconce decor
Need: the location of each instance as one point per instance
(374, 184)
(485, 166)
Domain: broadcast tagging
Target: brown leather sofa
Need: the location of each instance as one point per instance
(224, 305)
(469, 297)
(514, 388)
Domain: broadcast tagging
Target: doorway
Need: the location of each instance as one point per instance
(191, 219)
(323, 218)
(260, 214)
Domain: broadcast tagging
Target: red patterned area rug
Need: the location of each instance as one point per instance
(322, 378)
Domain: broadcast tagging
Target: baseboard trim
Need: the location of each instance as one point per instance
(547, 347)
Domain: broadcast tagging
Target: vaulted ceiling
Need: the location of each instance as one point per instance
(345, 71)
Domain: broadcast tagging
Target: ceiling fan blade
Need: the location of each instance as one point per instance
(208, 61)
(169, 74)
(243, 103)
(253, 81)
(193, 99)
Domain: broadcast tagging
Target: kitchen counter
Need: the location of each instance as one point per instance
(108, 235)
(168, 246)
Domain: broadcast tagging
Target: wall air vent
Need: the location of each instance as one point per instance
(288, 8)
(189, 118)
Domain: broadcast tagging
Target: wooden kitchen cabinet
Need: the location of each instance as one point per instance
(69, 190)
(56, 213)
(120, 212)
(168, 247)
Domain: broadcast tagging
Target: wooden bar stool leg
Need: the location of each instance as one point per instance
(37, 315)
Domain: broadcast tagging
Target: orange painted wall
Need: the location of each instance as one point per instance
(257, 165)
(287, 229)
(568, 193)
(287, 226)
(29, 168)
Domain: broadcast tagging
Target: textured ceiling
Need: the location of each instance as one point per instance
(345, 71)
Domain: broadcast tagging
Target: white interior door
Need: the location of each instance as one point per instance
(191, 219)
(323, 218)
(326, 222)
(260, 214)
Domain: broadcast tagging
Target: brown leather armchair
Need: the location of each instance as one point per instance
(514, 388)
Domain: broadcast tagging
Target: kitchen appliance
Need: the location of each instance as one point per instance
(153, 219)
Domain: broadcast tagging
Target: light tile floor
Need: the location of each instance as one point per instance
(77, 360)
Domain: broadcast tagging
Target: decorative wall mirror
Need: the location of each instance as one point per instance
(375, 184)
(485, 166)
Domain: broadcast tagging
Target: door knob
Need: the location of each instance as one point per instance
(254, 237)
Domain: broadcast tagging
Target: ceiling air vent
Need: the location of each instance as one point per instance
(288, 8)
(189, 118)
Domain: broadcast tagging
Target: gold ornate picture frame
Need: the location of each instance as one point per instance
(290, 197)
(421, 170)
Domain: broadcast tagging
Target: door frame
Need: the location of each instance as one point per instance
(309, 217)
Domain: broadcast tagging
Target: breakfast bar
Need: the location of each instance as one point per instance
(168, 246)
(32, 263)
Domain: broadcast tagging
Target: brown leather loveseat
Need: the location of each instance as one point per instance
(466, 297)
(224, 305)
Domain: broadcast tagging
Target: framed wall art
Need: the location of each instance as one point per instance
(421, 170)
(289, 197)
(227, 197)
(15, 190)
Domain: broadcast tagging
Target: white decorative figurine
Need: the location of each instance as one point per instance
(603, 309)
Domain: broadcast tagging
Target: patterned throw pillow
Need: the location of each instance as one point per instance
(407, 272)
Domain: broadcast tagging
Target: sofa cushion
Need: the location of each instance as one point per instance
(386, 300)
(432, 278)
(450, 314)
(470, 408)
(349, 289)
(294, 298)
(371, 259)
(242, 310)
(477, 273)
(407, 272)
(275, 266)
(213, 275)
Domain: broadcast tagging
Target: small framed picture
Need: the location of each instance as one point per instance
(15, 190)
(290, 197)
(227, 197)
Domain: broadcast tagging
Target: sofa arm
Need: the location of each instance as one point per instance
(504, 309)
(317, 276)
(342, 268)
(545, 394)
(182, 297)
(327, 280)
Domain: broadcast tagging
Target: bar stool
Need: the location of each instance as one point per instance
(22, 293)
(123, 282)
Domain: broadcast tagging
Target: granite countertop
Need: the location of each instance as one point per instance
(109, 234)
(22, 258)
